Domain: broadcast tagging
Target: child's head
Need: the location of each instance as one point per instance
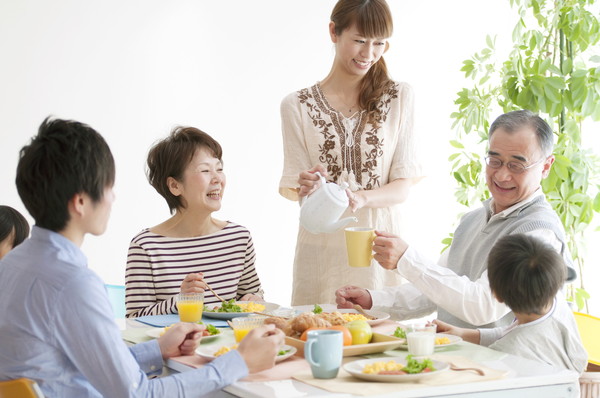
(65, 158)
(169, 158)
(525, 273)
(14, 229)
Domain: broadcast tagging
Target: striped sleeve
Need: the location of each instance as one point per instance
(140, 294)
(249, 282)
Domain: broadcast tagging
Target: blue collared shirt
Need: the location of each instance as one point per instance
(57, 328)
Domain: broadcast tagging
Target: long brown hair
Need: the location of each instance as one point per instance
(373, 19)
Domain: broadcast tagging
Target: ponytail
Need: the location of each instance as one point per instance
(372, 88)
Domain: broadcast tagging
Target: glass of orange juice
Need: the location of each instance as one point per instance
(243, 325)
(190, 306)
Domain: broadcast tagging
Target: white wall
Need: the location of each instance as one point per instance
(134, 69)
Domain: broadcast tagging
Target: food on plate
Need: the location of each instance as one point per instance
(210, 330)
(224, 350)
(282, 352)
(346, 335)
(349, 317)
(299, 324)
(308, 320)
(442, 340)
(382, 367)
(400, 333)
(361, 331)
(394, 368)
(317, 309)
(232, 306)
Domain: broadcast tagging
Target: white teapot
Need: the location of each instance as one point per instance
(321, 210)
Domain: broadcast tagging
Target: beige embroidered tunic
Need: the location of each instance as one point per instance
(353, 151)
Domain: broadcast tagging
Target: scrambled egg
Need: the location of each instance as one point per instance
(251, 307)
(224, 350)
(376, 367)
(353, 317)
(442, 340)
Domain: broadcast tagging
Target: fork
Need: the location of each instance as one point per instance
(213, 292)
(476, 370)
(360, 309)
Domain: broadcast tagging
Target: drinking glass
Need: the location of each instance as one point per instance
(190, 307)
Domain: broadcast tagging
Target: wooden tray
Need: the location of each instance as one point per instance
(379, 343)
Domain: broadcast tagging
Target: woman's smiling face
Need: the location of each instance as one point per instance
(356, 53)
(203, 182)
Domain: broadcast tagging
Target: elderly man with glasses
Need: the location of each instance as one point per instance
(518, 158)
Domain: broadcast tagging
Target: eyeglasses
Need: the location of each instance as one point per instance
(512, 166)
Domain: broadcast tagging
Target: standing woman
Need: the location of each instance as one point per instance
(354, 126)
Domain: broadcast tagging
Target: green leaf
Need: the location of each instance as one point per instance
(556, 82)
(552, 94)
(597, 203)
(458, 177)
(453, 156)
(456, 144)
(567, 66)
(577, 198)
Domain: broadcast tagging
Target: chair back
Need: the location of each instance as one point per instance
(589, 329)
(20, 388)
(116, 294)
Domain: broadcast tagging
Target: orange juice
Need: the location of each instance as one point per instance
(190, 311)
(239, 334)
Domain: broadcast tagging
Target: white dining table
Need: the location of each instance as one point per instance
(524, 378)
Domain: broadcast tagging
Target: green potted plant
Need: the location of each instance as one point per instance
(552, 70)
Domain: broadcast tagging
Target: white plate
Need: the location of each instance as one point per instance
(379, 315)
(355, 369)
(157, 332)
(453, 340)
(208, 352)
(230, 315)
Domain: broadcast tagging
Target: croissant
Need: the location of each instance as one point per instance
(335, 318)
(283, 324)
(308, 320)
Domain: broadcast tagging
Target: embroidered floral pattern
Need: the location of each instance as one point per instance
(358, 150)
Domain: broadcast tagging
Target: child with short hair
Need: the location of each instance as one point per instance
(14, 229)
(526, 275)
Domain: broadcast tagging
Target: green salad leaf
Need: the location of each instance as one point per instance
(400, 333)
(282, 352)
(415, 366)
(211, 329)
(226, 306)
(317, 309)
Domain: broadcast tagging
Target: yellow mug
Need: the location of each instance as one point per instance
(359, 245)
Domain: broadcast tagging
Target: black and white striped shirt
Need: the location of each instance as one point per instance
(156, 266)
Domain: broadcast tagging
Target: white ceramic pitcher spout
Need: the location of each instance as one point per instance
(321, 210)
(340, 224)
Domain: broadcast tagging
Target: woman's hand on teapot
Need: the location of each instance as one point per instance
(308, 180)
(357, 200)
